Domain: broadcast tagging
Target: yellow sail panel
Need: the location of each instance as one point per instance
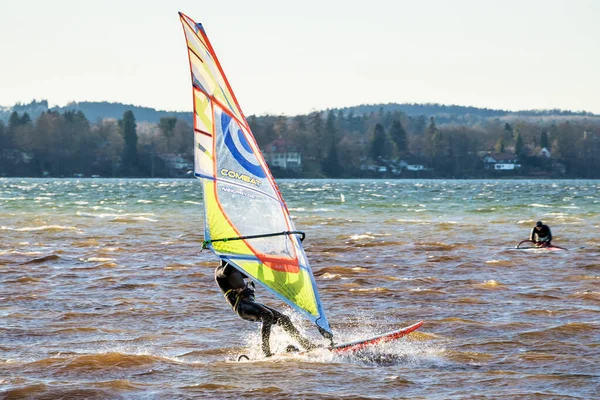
(203, 131)
(218, 225)
(296, 288)
(202, 113)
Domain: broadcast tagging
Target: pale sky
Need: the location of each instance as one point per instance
(284, 57)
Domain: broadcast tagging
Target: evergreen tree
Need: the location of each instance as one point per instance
(350, 121)
(354, 122)
(387, 119)
(25, 119)
(316, 132)
(378, 148)
(519, 145)
(398, 136)
(129, 131)
(13, 121)
(432, 128)
(167, 128)
(44, 142)
(330, 127)
(257, 129)
(544, 139)
(331, 165)
(341, 121)
(461, 151)
(77, 147)
(419, 124)
(433, 146)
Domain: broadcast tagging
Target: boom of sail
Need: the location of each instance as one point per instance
(247, 222)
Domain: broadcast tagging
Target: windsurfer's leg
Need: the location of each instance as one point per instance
(252, 311)
(284, 321)
(265, 334)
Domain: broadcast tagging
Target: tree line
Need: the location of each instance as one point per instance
(67, 144)
(333, 143)
(340, 143)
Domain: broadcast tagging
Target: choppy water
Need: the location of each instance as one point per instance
(104, 293)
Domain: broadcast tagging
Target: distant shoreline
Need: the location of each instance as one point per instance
(524, 178)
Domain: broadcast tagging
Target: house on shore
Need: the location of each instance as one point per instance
(408, 165)
(177, 164)
(413, 163)
(544, 152)
(279, 153)
(501, 162)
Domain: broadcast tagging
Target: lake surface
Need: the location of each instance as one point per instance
(104, 292)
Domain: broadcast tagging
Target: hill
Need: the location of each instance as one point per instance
(443, 114)
(466, 115)
(95, 111)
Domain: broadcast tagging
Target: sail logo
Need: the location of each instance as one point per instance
(237, 191)
(241, 177)
(238, 145)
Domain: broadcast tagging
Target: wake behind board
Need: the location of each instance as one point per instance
(383, 338)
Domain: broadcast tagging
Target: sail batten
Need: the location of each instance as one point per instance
(241, 199)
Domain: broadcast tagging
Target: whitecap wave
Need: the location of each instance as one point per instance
(40, 228)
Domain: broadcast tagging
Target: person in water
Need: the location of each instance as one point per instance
(541, 235)
(240, 296)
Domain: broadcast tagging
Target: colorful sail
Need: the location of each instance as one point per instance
(246, 220)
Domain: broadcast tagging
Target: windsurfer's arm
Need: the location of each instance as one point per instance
(234, 277)
(224, 270)
(532, 236)
(549, 235)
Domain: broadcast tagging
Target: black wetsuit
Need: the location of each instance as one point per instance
(240, 295)
(542, 235)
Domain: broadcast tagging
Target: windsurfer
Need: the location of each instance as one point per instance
(240, 295)
(541, 235)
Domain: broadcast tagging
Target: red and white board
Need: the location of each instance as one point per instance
(383, 338)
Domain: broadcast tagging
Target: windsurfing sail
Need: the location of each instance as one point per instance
(247, 222)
